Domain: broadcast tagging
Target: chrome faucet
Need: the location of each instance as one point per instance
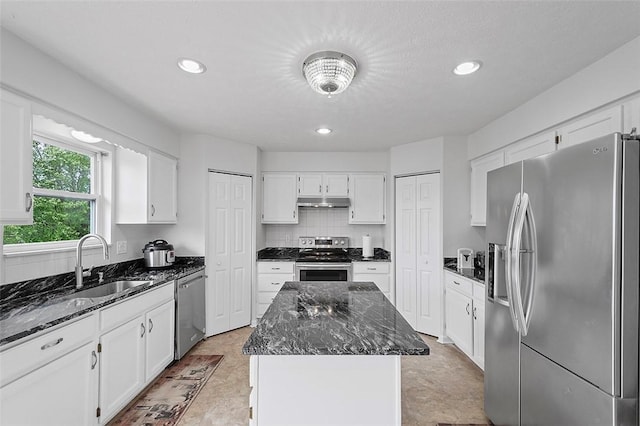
(80, 273)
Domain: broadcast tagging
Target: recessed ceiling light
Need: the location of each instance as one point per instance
(323, 131)
(467, 67)
(191, 66)
(84, 137)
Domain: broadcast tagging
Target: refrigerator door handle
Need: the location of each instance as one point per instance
(531, 275)
(516, 265)
(509, 262)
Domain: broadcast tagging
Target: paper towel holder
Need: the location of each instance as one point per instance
(367, 247)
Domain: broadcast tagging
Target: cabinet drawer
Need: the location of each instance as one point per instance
(134, 306)
(272, 282)
(275, 267)
(457, 282)
(382, 281)
(371, 267)
(21, 359)
(478, 291)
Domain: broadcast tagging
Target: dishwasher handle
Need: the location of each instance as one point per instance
(186, 281)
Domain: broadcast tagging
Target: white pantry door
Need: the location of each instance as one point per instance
(418, 252)
(428, 261)
(229, 259)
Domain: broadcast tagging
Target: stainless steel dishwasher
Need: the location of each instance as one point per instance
(190, 312)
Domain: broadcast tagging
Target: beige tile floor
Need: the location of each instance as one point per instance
(444, 386)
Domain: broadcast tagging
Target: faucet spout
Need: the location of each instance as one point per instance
(79, 270)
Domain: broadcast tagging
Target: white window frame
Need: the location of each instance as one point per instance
(99, 226)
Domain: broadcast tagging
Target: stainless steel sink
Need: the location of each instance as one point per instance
(107, 289)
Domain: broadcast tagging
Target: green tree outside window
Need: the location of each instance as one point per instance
(56, 218)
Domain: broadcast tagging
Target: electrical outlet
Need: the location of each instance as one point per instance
(121, 247)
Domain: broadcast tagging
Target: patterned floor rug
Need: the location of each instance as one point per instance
(164, 403)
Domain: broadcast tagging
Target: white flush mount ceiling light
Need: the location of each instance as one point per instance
(466, 68)
(191, 66)
(84, 137)
(329, 73)
(323, 131)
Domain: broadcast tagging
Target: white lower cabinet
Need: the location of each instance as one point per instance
(136, 345)
(377, 272)
(271, 277)
(121, 366)
(464, 315)
(86, 371)
(60, 386)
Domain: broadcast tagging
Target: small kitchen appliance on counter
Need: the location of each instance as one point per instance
(465, 258)
(158, 254)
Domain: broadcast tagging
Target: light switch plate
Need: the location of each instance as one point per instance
(121, 247)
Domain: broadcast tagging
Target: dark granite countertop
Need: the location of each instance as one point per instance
(333, 318)
(290, 254)
(28, 307)
(476, 274)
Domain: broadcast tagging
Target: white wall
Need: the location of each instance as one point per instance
(611, 78)
(456, 180)
(60, 93)
(199, 154)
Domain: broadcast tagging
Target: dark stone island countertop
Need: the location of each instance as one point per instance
(28, 307)
(290, 254)
(333, 318)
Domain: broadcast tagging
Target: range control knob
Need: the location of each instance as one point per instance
(303, 242)
(342, 242)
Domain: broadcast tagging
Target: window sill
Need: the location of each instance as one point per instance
(46, 248)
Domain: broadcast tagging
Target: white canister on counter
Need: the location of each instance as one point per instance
(367, 246)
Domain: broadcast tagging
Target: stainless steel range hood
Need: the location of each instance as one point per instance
(335, 202)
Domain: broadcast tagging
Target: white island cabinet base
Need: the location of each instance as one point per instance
(325, 390)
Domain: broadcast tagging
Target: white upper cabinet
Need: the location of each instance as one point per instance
(530, 147)
(163, 188)
(146, 187)
(16, 164)
(593, 126)
(279, 196)
(631, 116)
(368, 200)
(323, 185)
(479, 169)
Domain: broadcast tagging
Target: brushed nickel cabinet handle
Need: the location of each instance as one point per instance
(142, 330)
(150, 325)
(94, 360)
(28, 202)
(51, 344)
(153, 210)
(456, 282)
(467, 309)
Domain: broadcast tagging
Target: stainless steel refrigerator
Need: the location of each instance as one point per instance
(562, 283)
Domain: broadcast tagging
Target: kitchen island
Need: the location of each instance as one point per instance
(328, 353)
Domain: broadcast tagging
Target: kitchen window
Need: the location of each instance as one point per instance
(66, 197)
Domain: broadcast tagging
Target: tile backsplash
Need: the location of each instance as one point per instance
(322, 222)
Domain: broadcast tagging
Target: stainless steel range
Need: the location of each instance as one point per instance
(323, 259)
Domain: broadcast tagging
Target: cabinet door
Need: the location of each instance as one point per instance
(531, 147)
(458, 320)
(478, 333)
(631, 119)
(121, 366)
(367, 199)
(310, 185)
(599, 124)
(336, 185)
(279, 195)
(16, 163)
(163, 184)
(63, 392)
(479, 169)
(160, 326)
(381, 280)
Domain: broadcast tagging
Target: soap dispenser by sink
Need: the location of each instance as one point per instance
(465, 258)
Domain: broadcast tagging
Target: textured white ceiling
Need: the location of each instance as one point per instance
(254, 91)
